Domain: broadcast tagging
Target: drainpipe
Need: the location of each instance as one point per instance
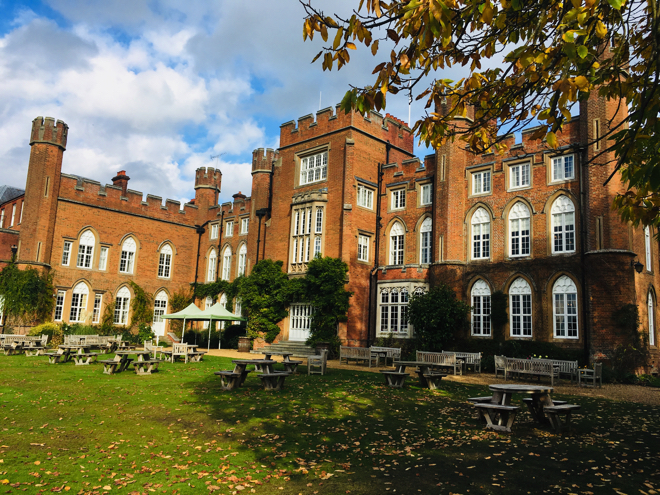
(220, 230)
(260, 213)
(583, 249)
(199, 229)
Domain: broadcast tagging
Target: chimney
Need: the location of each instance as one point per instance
(121, 180)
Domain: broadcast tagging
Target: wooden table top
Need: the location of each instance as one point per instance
(253, 361)
(513, 388)
(134, 351)
(413, 363)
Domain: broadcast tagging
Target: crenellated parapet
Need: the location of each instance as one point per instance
(262, 160)
(208, 178)
(47, 130)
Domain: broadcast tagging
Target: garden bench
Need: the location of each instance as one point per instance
(591, 375)
(433, 378)
(146, 367)
(229, 379)
(317, 364)
(536, 367)
(356, 354)
(116, 365)
(84, 358)
(61, 356)
(394, 379)
(273, 381)
(569, 368)
(555, 411)
(481, 400)
(196, 356)
(291, 366)
(469, 359)
(507, 415)
(386, 352)
(34, 350)
(13, 348)
(440, 360)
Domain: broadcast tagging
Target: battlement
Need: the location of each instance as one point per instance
(208, 178)
(93, 193)
(328, 120)
(263, 161)
(47, 130)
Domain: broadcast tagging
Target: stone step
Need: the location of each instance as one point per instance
(299, 349)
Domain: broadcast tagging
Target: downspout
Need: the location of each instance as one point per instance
(199, 229)
(220, 230)
(583, 249)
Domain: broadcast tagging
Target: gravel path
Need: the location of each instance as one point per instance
(631, 393)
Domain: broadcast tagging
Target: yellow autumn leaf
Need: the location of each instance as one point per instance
(551, 138)
(601, 30)
(581, 82)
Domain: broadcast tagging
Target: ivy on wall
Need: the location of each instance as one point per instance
(27, 294)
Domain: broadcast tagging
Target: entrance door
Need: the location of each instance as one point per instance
(160, 307)
(299, 321)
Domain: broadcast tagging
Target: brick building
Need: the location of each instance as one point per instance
(535, 223)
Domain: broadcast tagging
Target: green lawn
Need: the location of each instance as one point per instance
(72, 428)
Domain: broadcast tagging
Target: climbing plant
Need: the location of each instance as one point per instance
(27, 294)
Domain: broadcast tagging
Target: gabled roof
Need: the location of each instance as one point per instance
(7, 193)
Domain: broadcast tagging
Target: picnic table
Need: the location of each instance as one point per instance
(143, 364)
(289, 364)
(428, 376)
(270, 379)
(74, 349)
(12, 348)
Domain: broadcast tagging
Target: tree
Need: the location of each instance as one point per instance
(436, 316)
(539, 58)
(324, 288)
(27, 295)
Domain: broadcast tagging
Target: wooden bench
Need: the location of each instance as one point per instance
(481, 400)
(388, 352)
(555, 412)
(569, 368)
(469, 359)
(34, 350)
(507, 415)
(13, 348)
(146, 367)
(229, 379)
(394, 379)
(112, 366)
(273, 381)
(356, 354)
(440, 360)
(196, 356)
(532, 367)
(291, 366)
(433, 379)
(85, 358)
(57, 357)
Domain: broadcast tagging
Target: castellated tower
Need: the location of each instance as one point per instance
(48, 142)
(262, 176)
(207, 187)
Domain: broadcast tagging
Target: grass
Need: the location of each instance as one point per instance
(67, 428)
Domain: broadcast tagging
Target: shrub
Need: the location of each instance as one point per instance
(51, 329)
(230, 336)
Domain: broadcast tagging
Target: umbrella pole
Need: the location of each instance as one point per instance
(209, 342)
(183, 331)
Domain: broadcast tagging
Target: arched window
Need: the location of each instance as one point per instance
(122, 303)
(242, 259)
(86, 250)
(480, 308)
(651, 320)
(165, 261)
(160, 308)
(226, 263)
(210, 269)
(238, 309)
(520, 308)
(207, 304)
(396, 244)
(565, 309)
(425, 241)
(223, 303)
(519, 221)
(480, 234)
(79, 302)
(127, 260)
(647, 249)
(563, 225)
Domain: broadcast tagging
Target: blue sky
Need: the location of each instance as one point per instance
(158, 87)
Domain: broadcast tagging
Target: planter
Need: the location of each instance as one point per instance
(244, 344)
(323, 346)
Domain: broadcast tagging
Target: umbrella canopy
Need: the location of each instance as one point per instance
(219, 312)
(192, 312)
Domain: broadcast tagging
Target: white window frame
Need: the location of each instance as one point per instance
(13, 215)
(647, 248)
(86, 250)
(651, 315)
(565, 309)
(59, 305)
(160, 306)
(208, 302)
(122, 306)
(480, 242)
(426, 197)
(481, 182)
(314, 168)
(393, 311)
(20, 216)
(563, 236)
(318, 247)
(397, 244)
(300, 317)
(363, 248)
(520, 309)
(425, 233)
(66, 253)
(242, 259)
(165, 261)
(318, 224)
(211, 267)
(96, 311)
(399, 199)
(520, 175)
(238, 309)
(127, 259)
(561, 171)
(103, 258)
(520, 219)
(229, 228)
(226, 262)
(245, 223)
(480, 296)
(215, 228)
(2, 218)
(79, 299)
(365, 197)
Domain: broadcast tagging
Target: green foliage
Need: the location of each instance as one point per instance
(144, 333)
(107, 323)
(324, 288)
(437, 317)
(178, 301)
(498, 315)
(28, 295)
(142, 305)
(213, 289)
(633, 354)
(230, 336)
(48, 328)
(407, 346)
